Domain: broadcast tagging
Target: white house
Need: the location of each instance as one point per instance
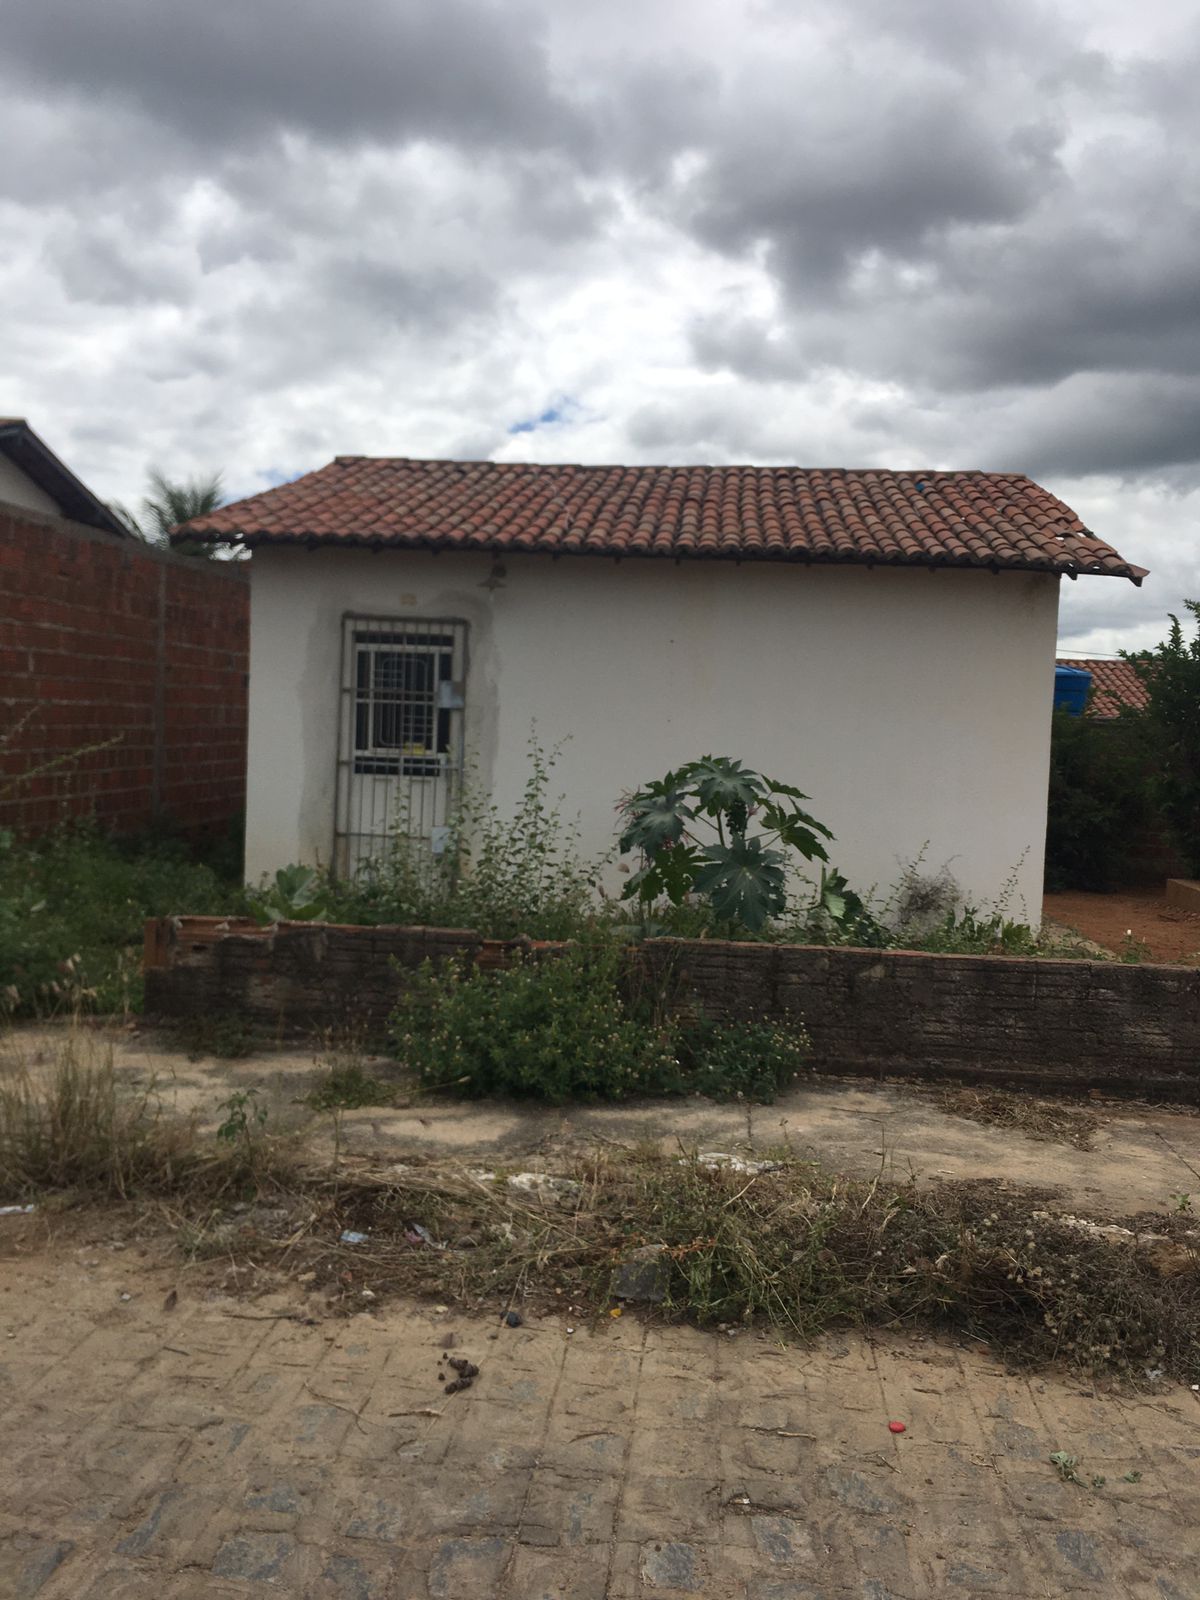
(885, 640)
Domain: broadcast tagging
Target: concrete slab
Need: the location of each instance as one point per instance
(1184, 893)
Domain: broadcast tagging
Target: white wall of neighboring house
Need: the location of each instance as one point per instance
(18, 489)
(912, 706)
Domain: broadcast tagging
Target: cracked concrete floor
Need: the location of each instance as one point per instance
(222, 1448)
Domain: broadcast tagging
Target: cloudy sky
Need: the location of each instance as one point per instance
(934, 233)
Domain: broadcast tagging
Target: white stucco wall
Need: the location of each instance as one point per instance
(18, 489)
(911, 705)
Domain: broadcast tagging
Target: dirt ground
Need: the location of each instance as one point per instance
(1168, 933)
(165, 1442)
(1139, 1156)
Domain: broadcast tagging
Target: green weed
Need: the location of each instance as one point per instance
(348, 1086)
(577, 1025)
(72, 909)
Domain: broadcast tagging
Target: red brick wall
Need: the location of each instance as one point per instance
(104, 641)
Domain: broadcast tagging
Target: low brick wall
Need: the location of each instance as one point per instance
(1083, 1024)
(290, 979)
(1074, 1024)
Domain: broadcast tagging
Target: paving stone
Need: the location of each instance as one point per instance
(581, 1574)
(664, 1466)
(280, 1498)
(375, 1518)
(456, 1502)
(468, 1569)
(254, 1557)
(644, 1276)
(680, 1568)
(346, 1577)
(668, 1508)
(173, 1523)
(27, 1563)
(783, 1540)
(857, 1492)
(569, 1511)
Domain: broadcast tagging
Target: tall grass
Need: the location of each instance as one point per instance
(81, 1127)
(72, 909)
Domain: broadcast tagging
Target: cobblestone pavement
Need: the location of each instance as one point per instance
(216, 1449)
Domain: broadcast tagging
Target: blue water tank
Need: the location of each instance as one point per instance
(1071, 686)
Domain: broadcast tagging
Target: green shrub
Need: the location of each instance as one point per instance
(742, 1060)
(295, 894)
(557, 1027)
(742, 875)
(1171, 676)
(566, 1027)
(349, 1086)
(1102, 819)
(72, 906)
(500, 875)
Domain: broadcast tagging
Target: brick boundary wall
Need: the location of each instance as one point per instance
(1043, 1024)
(106, 639)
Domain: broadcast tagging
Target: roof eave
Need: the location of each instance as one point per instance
(37, 461)
(251, 538)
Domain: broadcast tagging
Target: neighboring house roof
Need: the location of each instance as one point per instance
(38, 462)
(940, 519)
(1114, 684)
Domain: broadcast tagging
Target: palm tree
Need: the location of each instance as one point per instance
(168, 504)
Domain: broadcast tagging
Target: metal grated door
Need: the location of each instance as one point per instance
(400, 733)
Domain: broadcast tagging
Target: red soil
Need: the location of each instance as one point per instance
(1168, 933)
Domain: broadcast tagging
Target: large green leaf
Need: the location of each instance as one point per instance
(798, 829)
(656, 816)
(671, 871)
(724, 788)
(743, 882)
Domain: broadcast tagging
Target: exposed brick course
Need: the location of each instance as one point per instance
(103, 639)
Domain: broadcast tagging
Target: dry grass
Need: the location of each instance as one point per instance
(795, 1247)
(1051, 1120)
(82, 1129)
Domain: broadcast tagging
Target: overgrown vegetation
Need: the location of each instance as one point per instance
(78, 1129)
(1037, 1118)
(500, 875)
(1104, 829)
(1170, 674)
(72, 909)
(1125, 790)
(567, 1027)
(505, 876)
(349, 1085)
(783, 1244)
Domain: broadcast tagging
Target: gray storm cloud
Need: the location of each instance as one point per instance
(861, 232)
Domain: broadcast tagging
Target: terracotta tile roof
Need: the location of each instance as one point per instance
(961, 519)
(1114, 684)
